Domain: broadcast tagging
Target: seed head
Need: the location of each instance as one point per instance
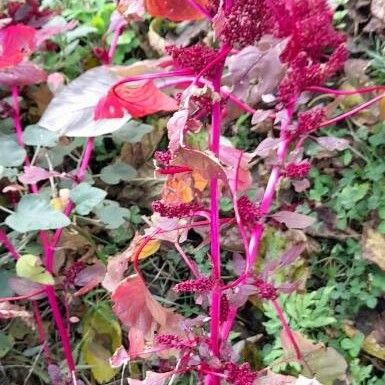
(298, 170)
(200, 285)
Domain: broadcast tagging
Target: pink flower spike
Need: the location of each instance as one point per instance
(178, 210)
(200, 285)
(297, 170)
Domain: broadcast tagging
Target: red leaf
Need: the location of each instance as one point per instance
(176, 10)
(17, 42)
(34, 174)
(137, 100)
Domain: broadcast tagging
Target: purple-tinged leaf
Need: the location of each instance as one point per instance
(332, 143)
(34, 174)
(176, 127)
(293, 220)
(266, 146)
(119, 358)
(23, 74)
(301, 185)
(260, 116)
(24, 287)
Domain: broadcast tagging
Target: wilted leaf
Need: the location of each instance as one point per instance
(175, 10)
(325, 364)
(71, 111)
(86, 197)
(101, 337)
(373, 246)
(34, 135)
(293, 220)
(30, 267)
(11, 154)
(332, 143)
(152, 378)
(35, 213)
(117, 172)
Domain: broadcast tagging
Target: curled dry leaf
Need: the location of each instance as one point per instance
(373, 244)
(8, 311)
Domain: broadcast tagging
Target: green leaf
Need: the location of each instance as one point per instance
(11, 154)
(117, 172)
(6, 344)
(86, 197)
(351, 194)
(29, 266)
(112, 214)
(101, 337)
(35, 213)
(132, 132)
(5, 290)
(35, 135)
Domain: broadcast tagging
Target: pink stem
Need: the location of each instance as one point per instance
(41, 331)
(114, 43)
(352, 112)
(22, 297)
(331, 91)
(200, 8)
(287, 329)
(8, 245)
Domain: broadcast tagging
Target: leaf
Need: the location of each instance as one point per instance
(352, 194)
(117, 172)
(175, 10)
(33, 174)
(90, 277)
(137, 100)
(101, 337)
(332, 143)
(25, 287)
(34, 135)
(71, 111)
(120, 357)
(30, 267)
(26, 73)
(132, 132)
(324, 363)
(293, 220)
(5, 290)
(112, 214)
(6, 344)
(266, 146)
(152, 378)
(271, 378)
(11, 154)
(86, 197)
(35, 213)
(260, 65)
(373, 246)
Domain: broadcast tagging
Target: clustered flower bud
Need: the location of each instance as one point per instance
(174, 341)
(195, 57)
(175, 210)
(265, 289)
(297, 170)
(72, 272)
(200, 286)
(310, 120)
(240, 375)
(249, 212)
(246, 21)
(163, 157)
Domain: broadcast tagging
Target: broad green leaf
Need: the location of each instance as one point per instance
(117, 172)
(6, 344)
(29, 266)
(35, 135)
(5, 290)
(112, 214)
(35, 213)
(132, 132)
(101, 337)
(351, 194)
(11, 154)
(86, 198)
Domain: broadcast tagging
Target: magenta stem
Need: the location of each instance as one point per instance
(331, 91)
(114, 43)
(4, 240)
(22, 297)
(200, 8)
(352, 112)
(287, 329)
